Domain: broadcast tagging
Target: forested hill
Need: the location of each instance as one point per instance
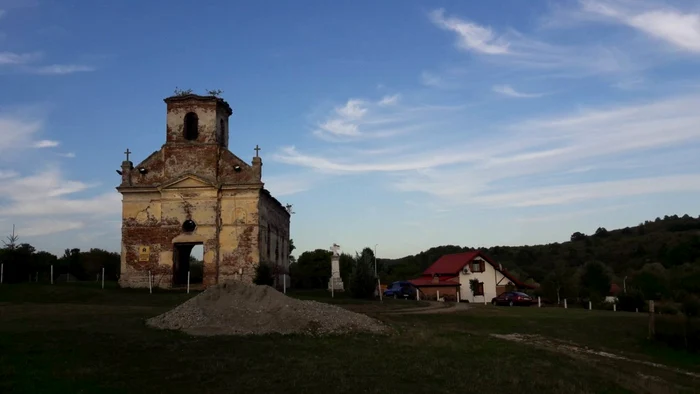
(671, 241)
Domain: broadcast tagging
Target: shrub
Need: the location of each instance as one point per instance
(668, 309)
(263, 275)
(691, 306)
(630, 301)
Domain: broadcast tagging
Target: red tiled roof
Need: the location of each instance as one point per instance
(452, 264)
(427, 280)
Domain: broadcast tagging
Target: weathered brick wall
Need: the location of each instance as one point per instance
(239, 234)
(274, 225)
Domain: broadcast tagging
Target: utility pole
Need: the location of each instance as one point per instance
(375, 260)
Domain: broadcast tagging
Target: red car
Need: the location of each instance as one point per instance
(512, 298)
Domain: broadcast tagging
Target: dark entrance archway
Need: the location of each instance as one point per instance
(188, 257)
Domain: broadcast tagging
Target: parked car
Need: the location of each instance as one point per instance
(401, 289)
(512, 298)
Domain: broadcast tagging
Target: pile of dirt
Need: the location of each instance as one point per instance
(237, 308)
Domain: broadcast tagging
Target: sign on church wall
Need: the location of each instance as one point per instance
(144, 253)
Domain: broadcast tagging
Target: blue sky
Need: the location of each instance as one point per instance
(407, 124)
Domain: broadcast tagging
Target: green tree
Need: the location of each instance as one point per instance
(312, 270)
(362, 280)
(292, 259)
(558, 283)
(595, 281)
(652, 280)
(578, 236)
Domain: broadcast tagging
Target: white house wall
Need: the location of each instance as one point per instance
(490, 277)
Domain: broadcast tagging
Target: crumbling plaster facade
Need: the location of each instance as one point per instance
(195, 177)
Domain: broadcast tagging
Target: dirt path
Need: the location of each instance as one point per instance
(571, 348)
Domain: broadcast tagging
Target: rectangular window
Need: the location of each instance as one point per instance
(480, 289)
(477, 266)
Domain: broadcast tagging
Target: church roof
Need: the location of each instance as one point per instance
(196, 97)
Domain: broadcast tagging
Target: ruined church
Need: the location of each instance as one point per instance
(195, 191)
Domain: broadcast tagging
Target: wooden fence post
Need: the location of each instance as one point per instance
(652, 328)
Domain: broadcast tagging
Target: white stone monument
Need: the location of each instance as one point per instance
(335, 282)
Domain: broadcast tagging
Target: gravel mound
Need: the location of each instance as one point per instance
(237, 308)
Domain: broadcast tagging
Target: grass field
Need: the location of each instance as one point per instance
(73, 338)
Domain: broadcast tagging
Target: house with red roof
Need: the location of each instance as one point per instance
(451, 273)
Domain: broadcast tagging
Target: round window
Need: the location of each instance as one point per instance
(188, 226)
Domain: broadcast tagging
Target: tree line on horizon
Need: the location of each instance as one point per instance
(659, 258)
(22, 262)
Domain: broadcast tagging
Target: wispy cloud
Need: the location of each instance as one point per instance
(475, 170)
(12, 58)
(508, 90)
(515, 49)
(675, 27)
(362, 119)
(45, 144)
(18, 131)
(569, 215)
(47, 227)
(45, 194)
(389, 100)
(471, 36)
(62, 69)
(68, 155)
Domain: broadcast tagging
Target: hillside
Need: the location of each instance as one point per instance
(671, 241)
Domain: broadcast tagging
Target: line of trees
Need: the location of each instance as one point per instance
(312, 270)
(21, 261)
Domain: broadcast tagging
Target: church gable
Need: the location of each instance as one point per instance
(234, 171)
(149, 172)
(187, 181)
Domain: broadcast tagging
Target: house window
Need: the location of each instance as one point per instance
(479, 289)
(478, 266)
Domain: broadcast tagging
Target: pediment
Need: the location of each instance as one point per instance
(186, 182)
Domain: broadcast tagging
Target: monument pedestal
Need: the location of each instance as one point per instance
(336, 284)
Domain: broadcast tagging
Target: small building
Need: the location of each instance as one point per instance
(612, 294)
(195, 191)
(452, 273)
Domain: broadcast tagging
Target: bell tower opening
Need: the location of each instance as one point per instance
(191, 126)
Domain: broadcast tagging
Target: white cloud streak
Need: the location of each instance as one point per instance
(360, 119)
(677, 28)
(471, 36)
(515, 49)
(45, 144)
(45, 194)
(12, 58)
(62, 69)
(546, 148)
(509, 91)
(19, 131)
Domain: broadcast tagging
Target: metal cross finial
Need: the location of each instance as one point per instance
(257, 150)
(127, 153)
